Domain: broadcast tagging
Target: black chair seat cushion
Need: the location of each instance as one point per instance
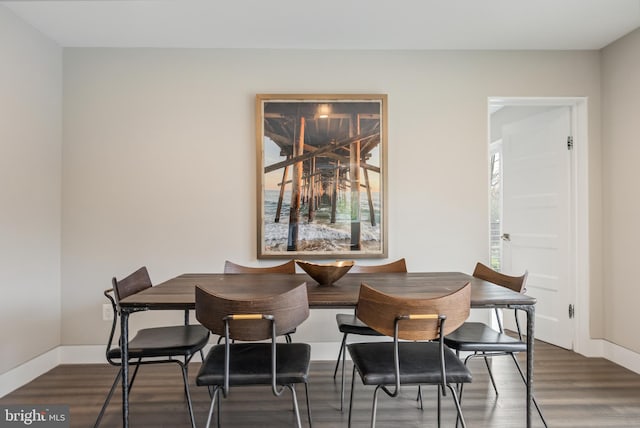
(179, 340)
(350, 324)
(250, 364)
(419, 363)
(477, 336)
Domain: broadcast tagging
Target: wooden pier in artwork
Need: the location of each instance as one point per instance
(326, 148)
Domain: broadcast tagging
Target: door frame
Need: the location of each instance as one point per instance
(578, 270)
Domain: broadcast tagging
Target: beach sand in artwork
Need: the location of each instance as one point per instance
(320, 235)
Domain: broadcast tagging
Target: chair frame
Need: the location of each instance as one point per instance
(224, 307)
(368, 303)
(286, 268)
(517, 284)
(113, 296)
(398, 266)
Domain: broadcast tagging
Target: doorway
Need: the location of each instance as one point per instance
(533, 191)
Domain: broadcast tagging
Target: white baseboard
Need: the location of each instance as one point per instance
(599, 348)
(621, 356)
(95, 354)
(328, 351)
(320, 351)
(25, 373)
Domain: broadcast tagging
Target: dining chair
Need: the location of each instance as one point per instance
(350, 324)
(422, 357)
(287, 268)
(151, 345)
(254, 361)
(482, 341)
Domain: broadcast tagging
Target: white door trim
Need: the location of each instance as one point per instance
(579, 251)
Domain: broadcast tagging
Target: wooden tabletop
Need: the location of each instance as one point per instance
(179, 292)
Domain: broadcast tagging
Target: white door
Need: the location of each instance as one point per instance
(535, 218)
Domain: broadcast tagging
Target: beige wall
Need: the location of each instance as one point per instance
(154, 137)
(159, 166)
(30, 146)
(159, 159)
(621, 176)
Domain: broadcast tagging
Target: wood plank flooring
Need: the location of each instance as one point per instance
(573, 391)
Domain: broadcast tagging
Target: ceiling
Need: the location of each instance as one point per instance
(332, 24)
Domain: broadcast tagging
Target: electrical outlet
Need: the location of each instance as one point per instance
(107, 312)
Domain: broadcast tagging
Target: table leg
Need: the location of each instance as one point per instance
(530, 310)
(124, 349)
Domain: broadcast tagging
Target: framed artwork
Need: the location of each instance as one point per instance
(321, 179)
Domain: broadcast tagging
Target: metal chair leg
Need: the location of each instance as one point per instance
(353, 381)
(458, 408)
(535, 403)
(306, 391)
(344, 359)
(517, 324)
(342, 349)
(219, 410)
(439, 405)
(459, 388)
(374, 408)
(493, 382)
(185, 377)
(112, 390)
(108, 399)
(135, 373)
(295, 405)
(486, 362)
(211, 408)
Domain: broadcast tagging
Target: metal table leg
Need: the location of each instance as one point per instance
(124, 348)
(530, 310)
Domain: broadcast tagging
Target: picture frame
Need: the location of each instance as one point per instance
(321, 175)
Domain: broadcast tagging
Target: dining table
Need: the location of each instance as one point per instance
(179, 294)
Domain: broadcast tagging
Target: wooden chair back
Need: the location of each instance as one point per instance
(399, 266)
(132, 284)
(515, 283)
(379, 311)
(288, 309)
(288, 267)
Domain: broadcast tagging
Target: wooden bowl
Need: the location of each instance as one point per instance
(326, 274)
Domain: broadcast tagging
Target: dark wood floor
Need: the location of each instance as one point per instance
(573, 391)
